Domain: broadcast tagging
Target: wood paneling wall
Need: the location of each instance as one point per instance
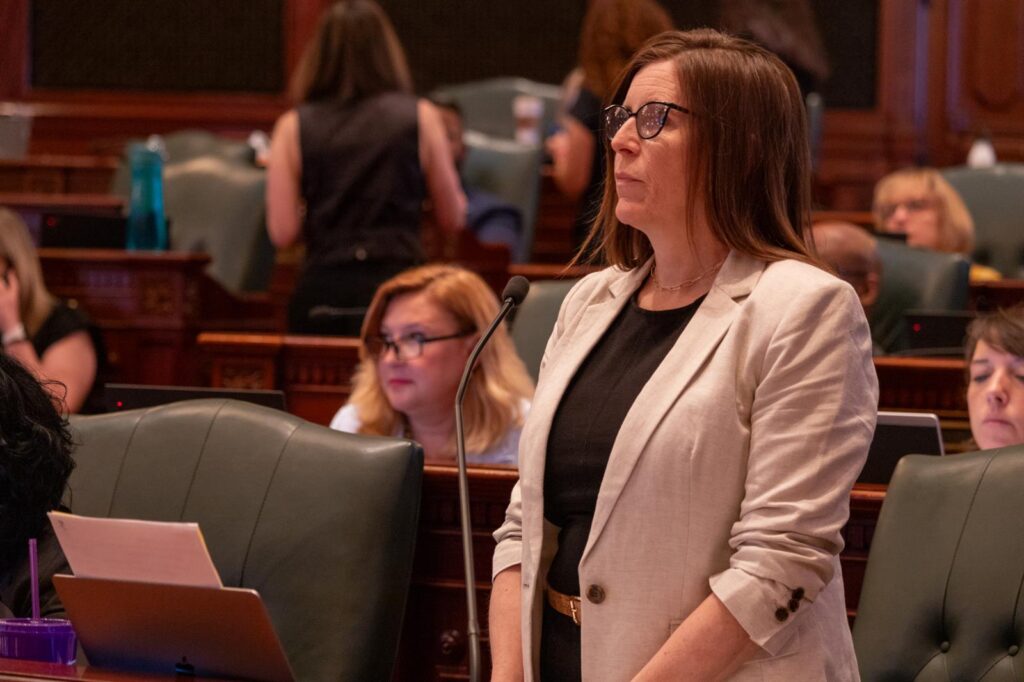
(946, 71)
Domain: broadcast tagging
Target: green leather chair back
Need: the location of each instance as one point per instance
(487, 104)
(511, 171)
(995, 198)
(321, 523)
(914, 279)
(217, 207)
(942, 597)
(535, 320)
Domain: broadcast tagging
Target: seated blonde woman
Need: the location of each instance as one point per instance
(53, 340)
(921, 204)
(995, 381)
(416, 338)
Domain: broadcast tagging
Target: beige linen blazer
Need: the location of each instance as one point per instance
(731, 474)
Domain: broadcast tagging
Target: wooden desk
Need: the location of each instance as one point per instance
(36, 203)
(151, 306)
(315, 372)
(936, 385)
(1005, 293)
(58, 174)
(14, 669)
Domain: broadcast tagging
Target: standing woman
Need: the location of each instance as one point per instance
(612, 31)
(350, 166)
(704, 405)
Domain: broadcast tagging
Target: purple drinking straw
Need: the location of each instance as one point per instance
(33, 567)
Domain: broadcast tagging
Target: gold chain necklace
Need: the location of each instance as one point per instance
(685, 283)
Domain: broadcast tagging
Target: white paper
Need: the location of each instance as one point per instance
(140, 551)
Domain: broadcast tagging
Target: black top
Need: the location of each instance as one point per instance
(64, 320)
(361, 180)
(588, 420)
(587, 110)
(16, 579)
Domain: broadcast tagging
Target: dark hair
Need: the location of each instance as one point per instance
(1002, 329)
(35, 458)
(749, 159)
(355, 54)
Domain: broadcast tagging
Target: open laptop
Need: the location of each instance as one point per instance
(898, 434)
(120, 397)
(938, 331)
(158, 628)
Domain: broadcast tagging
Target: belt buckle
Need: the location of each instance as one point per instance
(575, 610)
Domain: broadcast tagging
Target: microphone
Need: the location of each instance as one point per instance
(514, 293)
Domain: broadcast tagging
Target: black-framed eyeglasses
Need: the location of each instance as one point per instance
(407, 346)
(650, 118)
(887, 210)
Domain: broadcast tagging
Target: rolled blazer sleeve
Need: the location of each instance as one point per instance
(812, 418)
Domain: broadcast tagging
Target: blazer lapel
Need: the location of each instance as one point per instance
(584, 335)
(698, 341)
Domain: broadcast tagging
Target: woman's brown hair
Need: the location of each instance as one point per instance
(612, 31)
(500, 383)
(748, 158)
(1002, 329)
(355, 54)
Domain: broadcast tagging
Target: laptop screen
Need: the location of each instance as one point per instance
(898, 434)
(120, 397)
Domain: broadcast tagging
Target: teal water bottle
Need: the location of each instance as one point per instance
(147, 225)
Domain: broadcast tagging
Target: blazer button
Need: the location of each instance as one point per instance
(1013, 650)
(944, 647)
(798, 593)
(781, 614)
(793, 605)
(595, 594)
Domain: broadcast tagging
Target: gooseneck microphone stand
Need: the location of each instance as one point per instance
(513, 295)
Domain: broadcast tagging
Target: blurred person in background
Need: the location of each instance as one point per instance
(54, 340)
(350, 167)
(418, 334)
(490, 219)
(853, 254)
(612, 31)
(920, 204)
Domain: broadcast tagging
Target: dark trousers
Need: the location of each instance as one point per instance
(560, 659)
(332, 301)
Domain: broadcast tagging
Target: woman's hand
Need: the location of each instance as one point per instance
(709, 645)
(10, 294)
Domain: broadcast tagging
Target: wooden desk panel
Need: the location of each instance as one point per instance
(1006, 293)
(58, 174)
(15, 669)
(936, 385)
(150, 307)
(314, 372)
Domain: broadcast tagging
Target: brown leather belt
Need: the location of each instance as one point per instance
(564, 604)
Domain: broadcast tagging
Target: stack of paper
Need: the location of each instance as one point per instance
(140, 551)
